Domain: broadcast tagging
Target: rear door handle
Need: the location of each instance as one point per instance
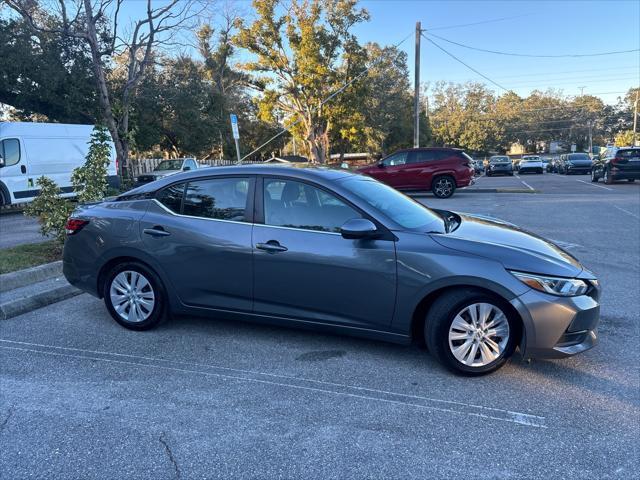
(156, 231)
(271, 246)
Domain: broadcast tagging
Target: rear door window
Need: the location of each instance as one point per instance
(218, 199)
(632, 153)
(421, 156)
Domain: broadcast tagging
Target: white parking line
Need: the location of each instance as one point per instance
(427, 403)
(634, 215)
(524, 183)
(594, 184)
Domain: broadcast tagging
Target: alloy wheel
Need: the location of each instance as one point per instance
(132, 296)
(444, 187)
(479, 334)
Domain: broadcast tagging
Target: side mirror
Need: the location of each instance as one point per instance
(1, 161)
(381, 165)
(358, 228)
(186, 168)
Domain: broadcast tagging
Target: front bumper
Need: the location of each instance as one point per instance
(557, 327)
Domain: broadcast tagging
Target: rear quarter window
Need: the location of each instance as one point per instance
(171, 197)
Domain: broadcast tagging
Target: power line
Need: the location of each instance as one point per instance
(513, 54)
(538, 74)
(482, 22)
(465, 64)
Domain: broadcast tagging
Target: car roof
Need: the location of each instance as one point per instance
(318, 173)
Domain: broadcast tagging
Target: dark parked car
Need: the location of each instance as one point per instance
(499, 165)
(617, 164)
(440, 170)
(579, 163)
(333, 251)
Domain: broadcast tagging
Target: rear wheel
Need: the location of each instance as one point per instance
(608, 179)
(443, 186)
(470, 332)
(134, 296)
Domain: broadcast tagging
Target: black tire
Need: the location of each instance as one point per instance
(594, 176)
(440, 317)
(631, 180)
(158, 313)
(443, 186)
(607, 177)
(511, 174)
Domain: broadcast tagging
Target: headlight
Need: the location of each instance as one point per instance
(564, 287)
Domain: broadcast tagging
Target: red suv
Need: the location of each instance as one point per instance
(440, 170)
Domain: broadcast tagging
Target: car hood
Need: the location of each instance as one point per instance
(580, 163)
(164, 173)
(514, 247)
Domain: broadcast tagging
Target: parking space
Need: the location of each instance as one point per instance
(204, 398)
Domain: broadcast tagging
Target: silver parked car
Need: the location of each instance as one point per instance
(166, 168)
(333, 251)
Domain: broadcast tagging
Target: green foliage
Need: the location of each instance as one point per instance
(51, 209)
(624, 138)
(45, 74)
(302, 55)
(90, 180)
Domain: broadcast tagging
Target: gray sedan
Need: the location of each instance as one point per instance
(333, 251)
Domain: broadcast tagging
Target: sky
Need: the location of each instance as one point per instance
(525, 27)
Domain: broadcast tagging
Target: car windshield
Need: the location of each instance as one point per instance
(500, 160)
(169, 165)
(406, 212)
(530, 159)
(579, 156)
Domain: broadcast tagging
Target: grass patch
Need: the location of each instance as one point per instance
(25, 256)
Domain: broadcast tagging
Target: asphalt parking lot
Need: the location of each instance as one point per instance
(82, 397)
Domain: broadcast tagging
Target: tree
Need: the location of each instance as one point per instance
(90, 180)
(45, 74)
(624, 138)
(299, 53)
(95, 26)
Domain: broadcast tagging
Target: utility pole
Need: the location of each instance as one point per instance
(582, 91)
(635, 117)
(416, 95)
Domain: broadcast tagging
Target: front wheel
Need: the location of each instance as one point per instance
(594, 176)
(470, 332)
(443, 186)
(134, 296)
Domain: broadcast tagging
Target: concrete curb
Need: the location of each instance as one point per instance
(33, 288)
(21, 278)
(37, 300)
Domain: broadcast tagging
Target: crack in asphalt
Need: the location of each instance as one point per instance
(7, 418)
(162, 439)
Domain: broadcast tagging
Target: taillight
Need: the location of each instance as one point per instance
(616, 160)
(74, 225)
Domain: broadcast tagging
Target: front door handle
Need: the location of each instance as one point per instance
(271, 246)
(23, 169)
(156, 231)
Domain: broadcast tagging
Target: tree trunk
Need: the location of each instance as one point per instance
(318, 142)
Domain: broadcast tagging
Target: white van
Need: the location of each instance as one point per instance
(29, 151)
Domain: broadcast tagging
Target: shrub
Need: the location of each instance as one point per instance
(90, 180)
(51, 209)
